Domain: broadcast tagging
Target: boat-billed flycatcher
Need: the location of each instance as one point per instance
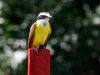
(40, 32)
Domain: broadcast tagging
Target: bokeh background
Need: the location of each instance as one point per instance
(75, 39)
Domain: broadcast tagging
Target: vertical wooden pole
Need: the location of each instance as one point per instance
(38, 63)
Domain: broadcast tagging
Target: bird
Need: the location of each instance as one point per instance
(40, 32)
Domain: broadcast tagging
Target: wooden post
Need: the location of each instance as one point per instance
(38, 63)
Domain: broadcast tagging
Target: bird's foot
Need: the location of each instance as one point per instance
(37, 50)
(45, 48)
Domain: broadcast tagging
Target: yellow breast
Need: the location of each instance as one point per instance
(41, 33)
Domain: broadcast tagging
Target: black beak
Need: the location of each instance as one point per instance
(50, 17)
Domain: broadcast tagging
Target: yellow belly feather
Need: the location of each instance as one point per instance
(40, 34)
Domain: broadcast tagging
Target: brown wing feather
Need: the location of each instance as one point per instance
(31, 35)
(44, 46)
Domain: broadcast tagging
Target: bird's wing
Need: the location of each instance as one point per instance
(44, 46)
(31, 35)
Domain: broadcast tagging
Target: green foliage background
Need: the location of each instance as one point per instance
(75, 39)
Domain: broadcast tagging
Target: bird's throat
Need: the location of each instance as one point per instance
(43, 22)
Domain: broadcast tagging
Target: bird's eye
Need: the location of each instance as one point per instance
(43, 17)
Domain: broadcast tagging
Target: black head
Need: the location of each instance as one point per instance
(42, 17)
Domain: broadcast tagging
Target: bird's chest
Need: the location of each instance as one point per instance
(42, 30)
(41, 33)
